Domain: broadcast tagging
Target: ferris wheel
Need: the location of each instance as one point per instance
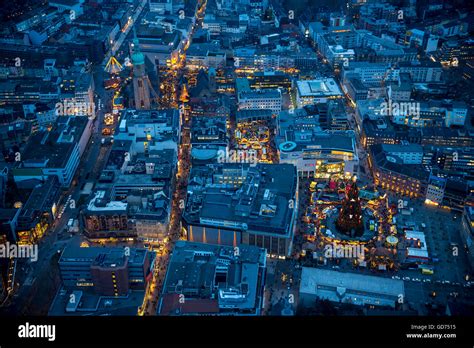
(113, 66)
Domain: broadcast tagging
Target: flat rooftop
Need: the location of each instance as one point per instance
(167, 117)
(334, 141)
(74, 253)
(101, 204)
(402, 148)
(96, 305)
(261, 203)
(260, 94)
(213, 278)
(318, 88)
(312, 279)
(56, 146)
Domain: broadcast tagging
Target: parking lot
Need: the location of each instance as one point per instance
(423, 292)
(442, 233)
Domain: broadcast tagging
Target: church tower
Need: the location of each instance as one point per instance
(141, 84)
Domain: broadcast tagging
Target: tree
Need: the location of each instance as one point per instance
(350, 216)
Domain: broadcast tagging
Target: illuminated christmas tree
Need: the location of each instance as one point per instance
(350, 216)
(184, 97)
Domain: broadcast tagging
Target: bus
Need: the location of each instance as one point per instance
(426, 269)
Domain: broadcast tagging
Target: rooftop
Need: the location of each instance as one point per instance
(133, 117)
(51, 149)
(259, 94)
(101, 204)
(209, 130)
(213, 279)
(313, 279)
(101, 256)
(318, 88)
(261, 203)
(93, 304)
(402, 148)
(396, 165)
